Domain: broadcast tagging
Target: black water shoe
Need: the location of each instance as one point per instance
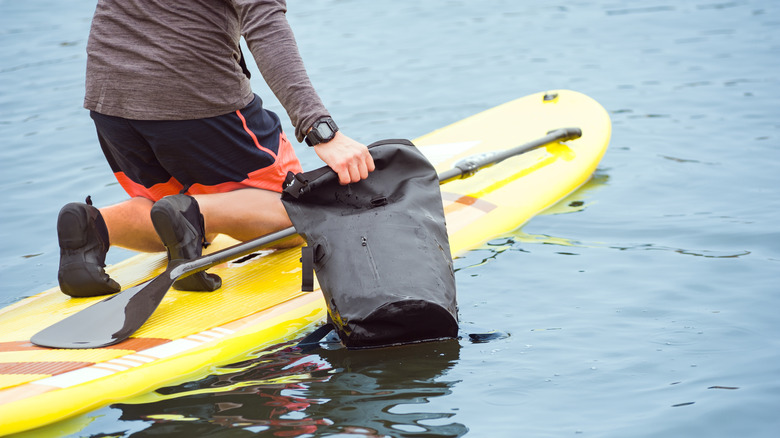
(83, 239)
(179, 224)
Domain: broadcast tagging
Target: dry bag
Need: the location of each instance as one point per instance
(379, 248)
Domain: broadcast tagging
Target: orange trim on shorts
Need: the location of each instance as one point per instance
(155, 193)
(268, 178)
(254, 137)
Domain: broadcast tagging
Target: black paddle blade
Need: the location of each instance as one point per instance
(109, 321)
(116, 318)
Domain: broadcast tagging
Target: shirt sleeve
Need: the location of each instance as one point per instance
(269, 37)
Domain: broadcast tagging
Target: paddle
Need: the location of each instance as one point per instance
(116, 318)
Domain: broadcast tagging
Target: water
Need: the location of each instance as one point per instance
(649, 312)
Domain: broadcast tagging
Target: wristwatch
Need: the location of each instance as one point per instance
(322, 131)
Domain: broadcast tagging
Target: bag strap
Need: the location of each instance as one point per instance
(296, 184)
(312, 340)
(307, 266)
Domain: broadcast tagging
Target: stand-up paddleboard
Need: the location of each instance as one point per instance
(261, 302)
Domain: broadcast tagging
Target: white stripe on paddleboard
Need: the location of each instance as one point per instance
(171, 348)
(223, 330)
(212, 334)
(124, 362)
(139, 358)
(73, 378)
(112, 366)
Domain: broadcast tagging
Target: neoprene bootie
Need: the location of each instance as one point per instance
(179, 224)
(83, 239)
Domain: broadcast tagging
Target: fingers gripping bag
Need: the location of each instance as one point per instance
(379, 248)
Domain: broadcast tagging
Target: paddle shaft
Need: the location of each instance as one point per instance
(463, 169)
(471, 165)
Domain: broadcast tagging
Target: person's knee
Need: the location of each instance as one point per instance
(243, 214)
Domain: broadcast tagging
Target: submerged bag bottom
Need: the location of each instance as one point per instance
(401, 322)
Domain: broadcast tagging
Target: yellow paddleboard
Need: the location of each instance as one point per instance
(260, 302)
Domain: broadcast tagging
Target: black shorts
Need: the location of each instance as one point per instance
(156, 158)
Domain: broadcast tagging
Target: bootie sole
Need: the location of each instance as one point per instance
(77, 275)
(182, 241)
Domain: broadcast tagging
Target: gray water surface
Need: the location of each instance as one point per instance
(649, 311)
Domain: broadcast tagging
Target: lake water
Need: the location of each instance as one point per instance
(650, 312)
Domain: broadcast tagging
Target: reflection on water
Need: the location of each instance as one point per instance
(365, 392)
(290, 393)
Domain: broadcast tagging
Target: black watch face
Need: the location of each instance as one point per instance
(324, 131)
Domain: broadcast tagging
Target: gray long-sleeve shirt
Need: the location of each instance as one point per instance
(179, 60)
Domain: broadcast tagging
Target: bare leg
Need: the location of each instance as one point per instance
(241, 214)
(130, 226)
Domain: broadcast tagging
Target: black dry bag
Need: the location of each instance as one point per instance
(379, 248)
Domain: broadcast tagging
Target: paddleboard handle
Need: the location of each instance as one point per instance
(178, 269)
(569, 133)
(471, 165)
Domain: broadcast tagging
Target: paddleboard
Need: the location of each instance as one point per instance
(261, 302)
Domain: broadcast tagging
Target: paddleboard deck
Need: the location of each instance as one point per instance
(261, 302)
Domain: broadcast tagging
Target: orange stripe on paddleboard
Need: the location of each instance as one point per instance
(460, 202)
(132, 344)
(19, 346)
(49, 368)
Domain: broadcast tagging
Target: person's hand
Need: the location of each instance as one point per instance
(348, 158)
